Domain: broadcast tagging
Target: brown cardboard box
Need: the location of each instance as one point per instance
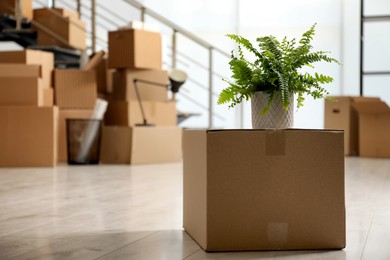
(63, 115)
(264, 189)
(123, 85)
(374, 129)
(45, 59)
(9, 7)
(140, 145)
(48, 12)
(28, 136)
(134, 49)
(22, 91)
(129, 113)
(48, 97)
(75, 89)
(71, 29)
(100, 65)
(340, 114)
(20, 70)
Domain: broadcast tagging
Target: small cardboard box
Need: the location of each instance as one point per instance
(374, 129)
(22, 91)
(129, 113)
(68, 27)
(62, 141)
(134, 49)
(42, 58)
(28, 136)
(9, 7)
(46, 12)
(123, 84)
(140, 145)
(75, 89)
(340, 114)
(264, 189)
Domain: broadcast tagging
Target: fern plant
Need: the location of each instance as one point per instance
(276, 68)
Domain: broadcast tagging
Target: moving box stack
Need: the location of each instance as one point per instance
(28, 119)
(64, 23)
(366, 124)
(135, 54)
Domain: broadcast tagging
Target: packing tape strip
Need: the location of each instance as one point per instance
(275, 143)
(278, 234)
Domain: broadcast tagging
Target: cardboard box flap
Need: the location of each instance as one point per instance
(378, 107)
(96, 59)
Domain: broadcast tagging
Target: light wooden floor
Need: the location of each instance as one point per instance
(123, 212)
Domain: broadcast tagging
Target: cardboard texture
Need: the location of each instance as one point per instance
(28, 136)
(62, 143)
(264, 189)
(129, 113)
(140, 145)
(20, 70)
(123, 85)
(100, 65)
(22, 91)
(374, 128)
(95, 60)
(9, 7)
(48, 12)
(75, 89)
(134, 49)
(340, 114)
(70, 28)
(48, 97)
(32, 57)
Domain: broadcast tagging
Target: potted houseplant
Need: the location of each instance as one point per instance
(274, 77)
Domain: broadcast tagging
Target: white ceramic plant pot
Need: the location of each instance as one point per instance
(276, 117)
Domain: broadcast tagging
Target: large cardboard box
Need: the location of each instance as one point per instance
(140, 145)
(21, 91)
(340, 114)
(62, 140)
(374, 129)
(75, 89)
(10, 7)
(129, 113)
(134, 49)
(124, 89)
(264, 189)
(42, 58)
(28, 136)
(68, 27)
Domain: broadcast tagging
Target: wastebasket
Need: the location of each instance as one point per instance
(83, 140)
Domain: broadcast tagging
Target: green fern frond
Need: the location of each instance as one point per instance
(245, 43)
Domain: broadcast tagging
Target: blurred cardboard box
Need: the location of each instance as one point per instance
(129, 113)
(140, 145)
(264, 189)
(99, 64)
(340, 114)
(62, 140)
(134, 49)
(48, 12)
(20, 70)
(31, 57)
(374, 128)
(123, 85)
(75, 89)
(22, 91)
(28, 136)
(48, 97)
(71, 29)
(10, 7)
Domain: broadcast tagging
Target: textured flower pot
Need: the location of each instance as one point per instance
(276, 117)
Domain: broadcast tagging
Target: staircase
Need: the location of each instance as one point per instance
(197, 96)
